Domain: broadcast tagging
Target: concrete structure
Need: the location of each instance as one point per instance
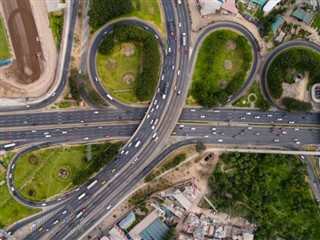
(127, 221)
(230, 6)
(208, 7)
(302, 15)
(280, 36)
(117, 233)
(182, 199)
(270, 5)
(315, 93)
(278, 23)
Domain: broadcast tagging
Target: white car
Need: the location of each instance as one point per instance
(279, 119)
(192, 110)
(214, 133)
(249, 127)
(276, 140)
(126, 153)
(206, 136)
(213, 129)
(172, 67)
(179, 24)
(64, 132)
(296, 129)
(48, 136)
(256, 117)
(248, 113)
(12, 189)
(155, 102)
(148, 116)
(202, 116)
(156, 139)
(108, 207)
(193, 129)
(291, 122)
(96, 112)
(269, 115)
(157, 106)
(220, 140)
(10, 175)
(152, 109)
(158, 90)
(179, 92)
(86, 138)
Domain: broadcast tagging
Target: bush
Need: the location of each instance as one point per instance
(148, 79)
(56, 22)
(174, 162)
(74, 81)
(292, 104)
(102, 11)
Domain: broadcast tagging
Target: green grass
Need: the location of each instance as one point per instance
(316, 22)
(10, 210)
(43, 177)
(270, 191)
(56, 23)
(244, 102)
(149, 11)
(5, 51)
(112, 80)
(64, 104)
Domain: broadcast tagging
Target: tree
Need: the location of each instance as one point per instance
(200, 147)
(292, 104)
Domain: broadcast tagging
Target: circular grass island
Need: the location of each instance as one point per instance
(128, 63)
(223, 62)
(290, 76)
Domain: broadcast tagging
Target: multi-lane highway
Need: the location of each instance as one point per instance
(158, 122)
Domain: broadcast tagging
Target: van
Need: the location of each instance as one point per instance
(108, 207)
(48, 136)
(162, 77)
(163, 96)
(55, 222)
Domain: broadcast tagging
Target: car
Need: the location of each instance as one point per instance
(181, 126)
(152, 109)
(145, 27)
(154, 135)
(235, 136)
(296, 129)
(291, 122)
(172, 67)
(279, 135)
(220, 140)
(48, 136)
(162, 77)
(99, 127)
(126, 153)
(186, 51)
(155, 102)
(64, 212)
(77, 189)
(129, 145)
(179, 24)
(302, 156)
(47, 230)
(113, 170)
(298, 142)
(243, 118)
(151, 122)
(86, 138)
(64, 132)
(173, 133)
(122, 152)
(178, 73)
(192, 110)
(272, 129)
(45, 133)
(248, 113)
(153, 127)
(279, 119)
(156, 139)
(276, 140)
(10, 175)
(249, 127)
(222, 133)
(55, 222)
(269, 115)
(12, 167)
(214, 133)
(43, 204)
(213, 129)
(241, 133)
(186, 134)
(206, 136)
(157, 106)
(34, 131)
(257, 134)
(134, 160)
(158, 90)
(202, 116)
(193, 129)
(179, 92)
(284, 132)
(108, 207)
(40, 229)
(96, 112)
(282, 129)
(82, 121)
(257, 117)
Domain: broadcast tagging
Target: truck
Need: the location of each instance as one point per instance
(82, 196)
(92, 184)
(184, 39)
(137, 144)
(171, 27)
(79, 214)
(9, 145)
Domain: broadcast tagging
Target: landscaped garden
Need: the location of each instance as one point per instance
(128, 63)
(222, 65)
(270, 191)
(290, 76)
(10, 210)
(44, 173)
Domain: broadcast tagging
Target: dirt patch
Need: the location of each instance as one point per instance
(111, 64)
(128, 49)
(297, 90)
(128, 78)
(231, 45)
(222, 84)
(33, 160)
(32, 193)
(228, 65)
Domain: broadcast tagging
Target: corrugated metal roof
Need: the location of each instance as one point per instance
(277, 23)
(127, 221)
(155, 231)
(302, 15)
(260, 2)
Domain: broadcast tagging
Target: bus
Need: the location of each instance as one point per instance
(82, 196)
(92, 184)
(9, 145)
(108, 96)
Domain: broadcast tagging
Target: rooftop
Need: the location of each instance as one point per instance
(259, 2)
(230, 6)
(302, 15)
(275, 26)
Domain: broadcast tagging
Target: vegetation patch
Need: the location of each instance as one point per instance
(117, 58)
(223, 62)
(288, 65)
(5, 51)
(316, 22)
(10, 210)
(58, 169)
(56, 23)
(270, 190)
(74, 82)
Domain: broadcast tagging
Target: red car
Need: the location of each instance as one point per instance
(175, 37)
(187, 51)
(107, 136)
(282, 129)
(279, 135)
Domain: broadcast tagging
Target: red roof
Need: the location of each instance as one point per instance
(230, 6)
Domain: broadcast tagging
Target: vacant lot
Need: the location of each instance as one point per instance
(270, 190)
(5, 52)
(222, 64)
(10, 210)
(119, 70)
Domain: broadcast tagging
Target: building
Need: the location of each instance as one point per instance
(230, 6)
(141, 226)
(127, 221)
(315, 93)
(280, 37)
(278, 23)
(155, 231)
(208, 7)
(302, 15)
(259, 2)
(117, 233)
(270, 5)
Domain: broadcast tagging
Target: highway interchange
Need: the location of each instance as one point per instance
(65, 127)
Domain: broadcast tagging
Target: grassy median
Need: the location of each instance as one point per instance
(5, 51)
